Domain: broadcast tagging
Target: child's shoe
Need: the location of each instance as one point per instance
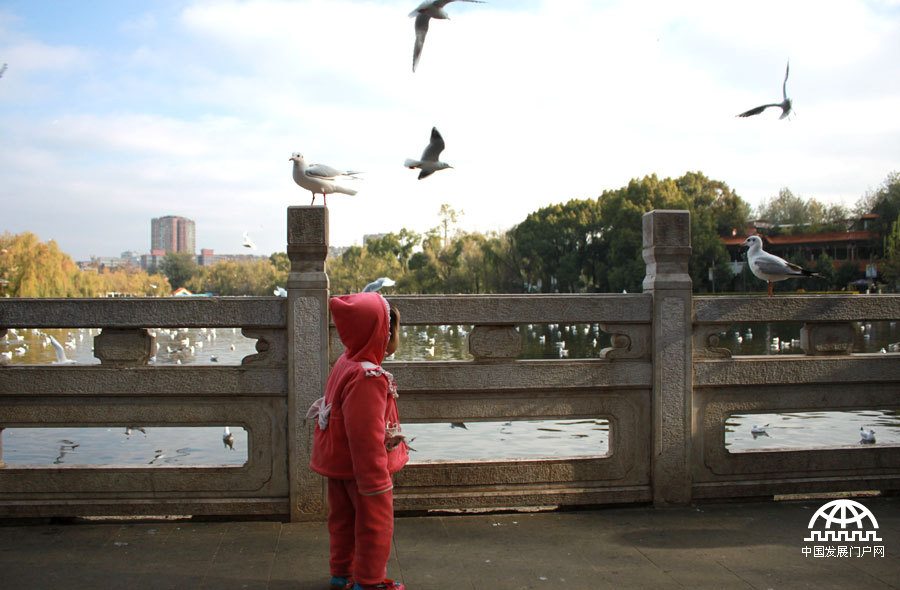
(341, 583)
(385, 585)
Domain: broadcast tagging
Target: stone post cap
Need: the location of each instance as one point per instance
(307, 225)
(667, 228)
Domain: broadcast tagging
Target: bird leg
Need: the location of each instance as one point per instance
(313, 201)
(771, 284)
(325, 200)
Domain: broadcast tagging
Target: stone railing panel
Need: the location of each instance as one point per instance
(494, 343)
(271, 347)
(123, 347)
(826, 338)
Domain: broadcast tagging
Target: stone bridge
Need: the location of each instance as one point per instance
(665, 387)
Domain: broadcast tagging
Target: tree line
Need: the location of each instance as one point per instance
(583, 245)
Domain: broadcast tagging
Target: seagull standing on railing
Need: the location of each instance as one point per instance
(785, 104)
(769, 267)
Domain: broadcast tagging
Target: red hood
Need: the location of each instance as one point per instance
(363, 324)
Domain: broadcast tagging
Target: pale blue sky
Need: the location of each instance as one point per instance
(112, 113)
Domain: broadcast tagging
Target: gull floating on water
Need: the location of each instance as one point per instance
(60, 353)
(376, 285)
(428, 164)
(759, 429)
(866, 438)
(769, 267)
(423, 13)
(319, 178)
(784, 105)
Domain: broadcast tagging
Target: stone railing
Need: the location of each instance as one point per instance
(664, 386)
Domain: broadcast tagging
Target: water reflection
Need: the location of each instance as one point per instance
(517, 439)
(167, 445)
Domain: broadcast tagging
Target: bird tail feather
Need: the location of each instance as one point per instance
(409, 163)
(346, 191)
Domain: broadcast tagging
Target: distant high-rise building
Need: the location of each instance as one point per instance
(172, 234)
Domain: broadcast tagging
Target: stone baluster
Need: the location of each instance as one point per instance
(667, 248)
(2, 463)
(308, 346)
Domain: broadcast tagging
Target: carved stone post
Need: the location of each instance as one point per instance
(667, 248)
(307, 336)
(2, 464)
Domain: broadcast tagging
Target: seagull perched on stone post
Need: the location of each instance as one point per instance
(769, 267)
(318, 178)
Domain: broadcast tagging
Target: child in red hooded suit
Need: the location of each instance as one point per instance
(357, 443)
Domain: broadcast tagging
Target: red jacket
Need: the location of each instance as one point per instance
(361, 398)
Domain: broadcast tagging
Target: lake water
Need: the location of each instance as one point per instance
(135, 445)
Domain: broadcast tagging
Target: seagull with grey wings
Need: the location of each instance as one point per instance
(319, 178)
(785, 104)
(426, 11)
(377, 284)
(769, 267)
(428, 164)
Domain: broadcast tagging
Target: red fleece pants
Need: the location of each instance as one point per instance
(360, 529)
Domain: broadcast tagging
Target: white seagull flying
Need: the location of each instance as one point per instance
(785, 104)
(248, 243)
(428, 164)
(60, 352)
(769, 267)
(319, 178)
(424, 12)
(376, 285)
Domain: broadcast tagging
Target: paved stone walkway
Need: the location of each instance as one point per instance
(708, 546)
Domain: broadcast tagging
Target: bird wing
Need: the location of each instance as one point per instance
(443, 3)
(323, 171)
(435, 147)
(425, 173)
(787, 71)
(421, 31)
(60, 351)
(758, 110)
(773, 265)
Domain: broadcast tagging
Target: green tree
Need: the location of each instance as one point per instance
(785, 209)
(890, 265)
(449, 217)
(179, 268)
(885, 203)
